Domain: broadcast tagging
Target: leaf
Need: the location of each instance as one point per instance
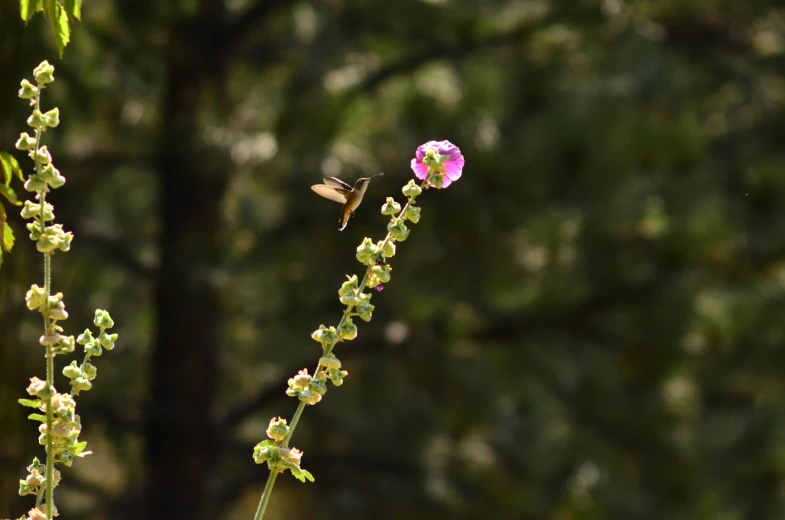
(307, 474)
(49, 8)
(27, 8)
(78, 448)
(11, 166)
(30, 403)
(74, 8)
(60, 27)
(298, 475)
(7, 238)
(9, 194)
(37, 417)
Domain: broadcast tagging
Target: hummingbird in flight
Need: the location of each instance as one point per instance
(337, 190)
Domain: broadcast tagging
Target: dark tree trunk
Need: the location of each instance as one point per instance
(180, 436)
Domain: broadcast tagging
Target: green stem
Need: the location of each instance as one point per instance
(50, 484)
(268, 490)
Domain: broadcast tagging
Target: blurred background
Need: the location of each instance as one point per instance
(590, 324)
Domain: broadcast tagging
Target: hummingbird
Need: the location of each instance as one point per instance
(337, 190)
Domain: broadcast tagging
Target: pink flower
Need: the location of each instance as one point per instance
(440, 157)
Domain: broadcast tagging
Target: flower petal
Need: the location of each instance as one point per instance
(420, 170)
(420, 154)
(453, 169)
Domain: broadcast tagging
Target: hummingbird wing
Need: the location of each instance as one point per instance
(337, 183)
(339, 195)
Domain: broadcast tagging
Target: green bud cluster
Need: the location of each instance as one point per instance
(65, 429)
(310, 389)
(60, 424)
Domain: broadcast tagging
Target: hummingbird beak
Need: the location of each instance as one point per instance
(380, 173)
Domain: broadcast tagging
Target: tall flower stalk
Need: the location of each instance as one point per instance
(437, 164)
(61, 426)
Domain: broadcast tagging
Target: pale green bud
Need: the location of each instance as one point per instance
(35, 184)
(412, 213)
(367, 251)
(25, 142)
(72, 371)
(382, 272)
(364, 308)
(52, 118)
(40, 389)
(44, 73)
(348, 330)
(398, 229)
(349, 286)
(330, 362)
(390, 207)
(85, 337)
(37, 120)
(42, 155)
(411, 189)
(277, 429)
(389, 248)
(102, 319)
(28, 90)
(35, 298)
(326, 336)
(89, 370)
(337, 376)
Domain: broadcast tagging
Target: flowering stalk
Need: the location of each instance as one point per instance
(60, 426)
(437, 164)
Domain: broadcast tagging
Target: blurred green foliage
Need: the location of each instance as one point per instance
(590, 324)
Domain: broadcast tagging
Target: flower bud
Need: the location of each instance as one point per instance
(390, 207)
(102, 319)
(382, 272)
(411, 189)
(436, 180)
(337, 376)
(318, 386)
(58, 181)
(44, 73)
(27, 90)
(82, 384)
(347, 330)
(35, 184)
(37, 513)
(25, 142)
(65, 242)
(52, 118)
(107, 340)
(326, 336)
(349, 286)
(389, 248)
(49, 172)
(330, 362)
(366, 252)
(85, 337)
(412, 213)
(350, 299)
(35, 298)
(40, 389)
(37, 120)
(292, 455)
(89, 370)
(72, 371)
(42, 155)
(365, 309)
(66, 345)
(49, 340)
(398, 229)
(277, 429)
(302, 379)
